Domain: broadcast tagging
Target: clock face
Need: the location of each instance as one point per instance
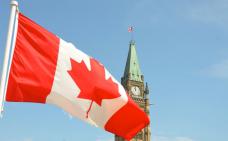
(135, 90)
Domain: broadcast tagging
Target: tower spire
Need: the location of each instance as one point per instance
(132, 69)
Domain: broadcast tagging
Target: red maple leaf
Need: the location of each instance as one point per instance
(93, 85)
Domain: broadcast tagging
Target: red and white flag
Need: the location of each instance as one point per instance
(130, 29)
(47, 69)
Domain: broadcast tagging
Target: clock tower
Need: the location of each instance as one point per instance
(133, 82)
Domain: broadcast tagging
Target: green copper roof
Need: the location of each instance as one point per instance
(132, 69)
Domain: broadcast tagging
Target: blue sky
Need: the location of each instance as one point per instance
(183, 52)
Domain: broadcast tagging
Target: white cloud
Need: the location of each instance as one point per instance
(219, 70)
(183, 139)
(28, 139)
(105, 139)
(164, 138)
(210, 11)
(70, 117)
(157, 138)
(148, 12)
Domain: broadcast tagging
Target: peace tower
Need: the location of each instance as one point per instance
(133, 82)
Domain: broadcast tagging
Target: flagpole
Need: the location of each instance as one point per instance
(14, 6)
(132, 34)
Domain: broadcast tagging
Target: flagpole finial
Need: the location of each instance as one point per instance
(14, 3)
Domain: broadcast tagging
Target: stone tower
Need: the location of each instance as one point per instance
(133, 82)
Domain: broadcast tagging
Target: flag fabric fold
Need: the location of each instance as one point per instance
(47, 69)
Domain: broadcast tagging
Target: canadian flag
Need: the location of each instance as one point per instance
(47, 69)
(130, 29)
